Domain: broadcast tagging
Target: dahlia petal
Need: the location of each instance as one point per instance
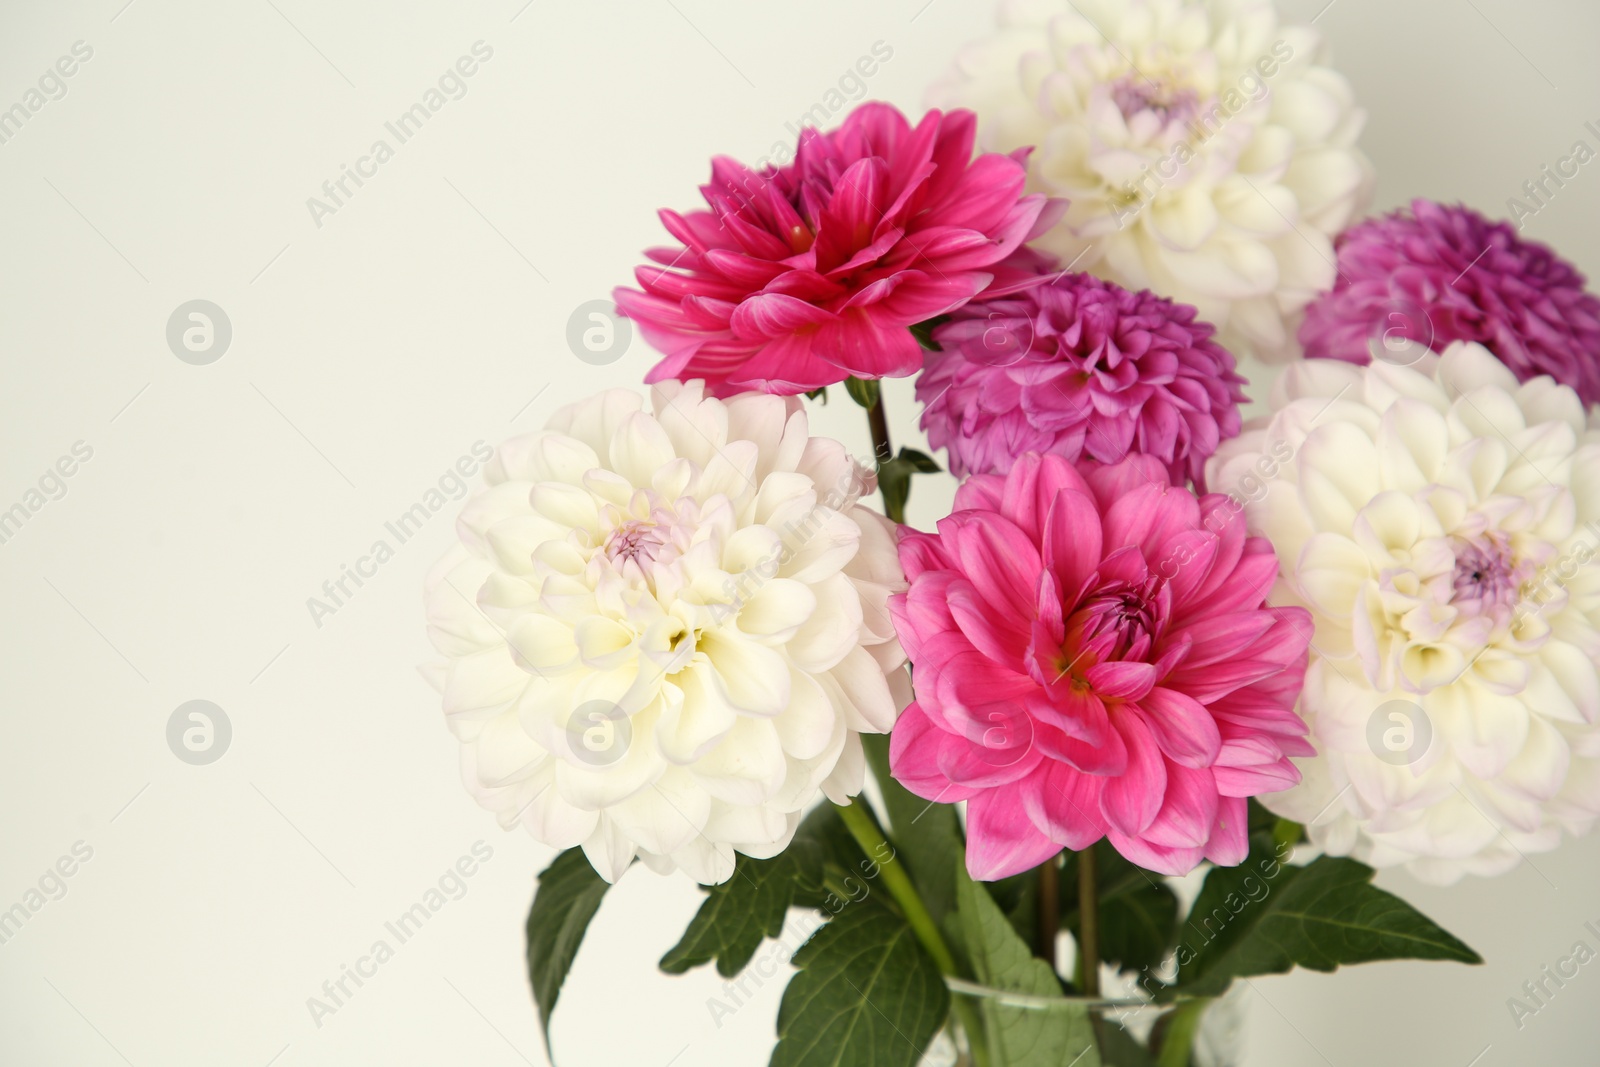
(1121, 681)
(914, 749)
(1188, 810)
(997, 557)
(1183, 727)
(1131, 800)
(865, 345)
(1001, 841)
(1063, 804)
(1230, 835)
(991, 633)
(767, 315)
(1153, 857)
(788, 365)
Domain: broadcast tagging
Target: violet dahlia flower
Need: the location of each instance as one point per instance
(1440, 274)
(803, 275)
(1093, 656)
(1082, 368)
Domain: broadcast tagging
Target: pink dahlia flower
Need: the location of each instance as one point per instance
(1082, 368)
(1439, 274)
(801, 276)
(1092, 656)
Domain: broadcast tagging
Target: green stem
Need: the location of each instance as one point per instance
(1049, 911)
(864, 828)
(1088, 924)
(882, 452)
(1183, 1023)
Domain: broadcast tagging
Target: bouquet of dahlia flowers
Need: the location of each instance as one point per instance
(1151, 640)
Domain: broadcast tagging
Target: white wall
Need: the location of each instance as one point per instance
(367, 355)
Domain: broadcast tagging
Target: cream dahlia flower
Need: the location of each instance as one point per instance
(666, 629)
(1208, 153)
(1439, 522)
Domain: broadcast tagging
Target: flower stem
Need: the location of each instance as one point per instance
(859, 821)
(865, 830)
(1049, 911)
(1088, 925)
(1183, 1024)
(882, 452)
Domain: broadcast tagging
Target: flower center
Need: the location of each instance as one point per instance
(1134, 93)
(635, 541)
(1488, 577)
(1116, 623)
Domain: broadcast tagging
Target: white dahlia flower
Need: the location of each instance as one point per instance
(666, 629)
(1439, 522)
(1208, 153)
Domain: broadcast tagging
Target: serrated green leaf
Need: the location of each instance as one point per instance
(568, 894)
(863, 391)
(837, 856)
(1017, 1036)
(1138, 929)
(865, 995)
(1319, 916)
(743, 911)
(926, 835)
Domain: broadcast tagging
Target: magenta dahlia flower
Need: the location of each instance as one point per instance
(1093, 656)
(1439, 274)
(801, 276)
(1082, 368)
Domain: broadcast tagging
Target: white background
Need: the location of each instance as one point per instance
(368, 354)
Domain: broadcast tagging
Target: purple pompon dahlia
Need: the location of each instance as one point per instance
(1438, 274)
(1081, 368)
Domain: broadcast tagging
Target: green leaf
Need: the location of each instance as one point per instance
(819, 394)
(923, 332)
(1138, 929)
(926, 836)
(738, 914)
(1019, 1037)
(1264, 917)
(866, 995)
(894, 482)
(568, 894)
(862, 391)
(920, 462)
